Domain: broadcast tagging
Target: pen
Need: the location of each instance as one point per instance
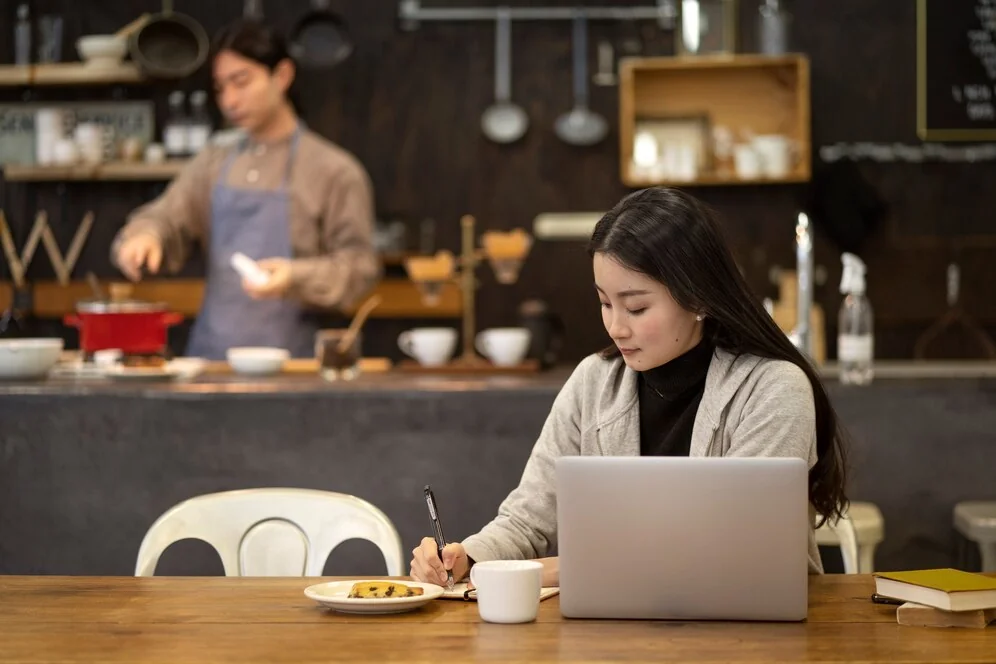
(882, 599)
(437, 531)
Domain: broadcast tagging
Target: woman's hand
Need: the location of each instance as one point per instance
(551, 572)
(428, 568)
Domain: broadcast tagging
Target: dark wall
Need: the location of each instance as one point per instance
(409, 104)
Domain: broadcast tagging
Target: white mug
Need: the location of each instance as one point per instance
(508, 591)
(430, 346)
(504, 346)
(775, 154)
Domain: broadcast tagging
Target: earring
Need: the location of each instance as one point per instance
(699, 317)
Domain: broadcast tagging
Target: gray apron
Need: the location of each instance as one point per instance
(257, 223)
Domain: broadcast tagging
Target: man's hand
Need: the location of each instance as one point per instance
(143, 249)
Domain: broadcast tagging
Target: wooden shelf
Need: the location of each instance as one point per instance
(110, 171)
(6, 296)
(401, 298)
(744, 93)
(68, 73)
(712, 179)
(15, 75)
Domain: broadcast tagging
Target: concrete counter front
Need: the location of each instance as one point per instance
(85, 468)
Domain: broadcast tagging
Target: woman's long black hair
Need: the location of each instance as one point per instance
(675, 239)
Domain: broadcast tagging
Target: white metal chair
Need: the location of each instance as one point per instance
(976, 521)
(272, 531)
(857, 534)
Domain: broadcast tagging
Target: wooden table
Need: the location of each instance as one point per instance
(197, 620)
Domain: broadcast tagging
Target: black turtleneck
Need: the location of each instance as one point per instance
(669, 398)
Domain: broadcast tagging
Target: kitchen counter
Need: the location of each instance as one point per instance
(414, 384)
(87, 466)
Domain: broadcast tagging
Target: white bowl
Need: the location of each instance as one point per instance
(28, 358)
(257, 361)
(102, 50)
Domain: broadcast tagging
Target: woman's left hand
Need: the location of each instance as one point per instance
(277, 283)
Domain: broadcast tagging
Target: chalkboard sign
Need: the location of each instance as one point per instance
(956, 70)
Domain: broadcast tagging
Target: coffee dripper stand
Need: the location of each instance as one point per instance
(505, 265)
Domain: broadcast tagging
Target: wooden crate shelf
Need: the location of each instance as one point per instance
(107, 171)
(755, 93)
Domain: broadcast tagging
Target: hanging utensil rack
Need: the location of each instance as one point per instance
(411, 13)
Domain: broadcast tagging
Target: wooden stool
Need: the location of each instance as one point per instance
(976, 520)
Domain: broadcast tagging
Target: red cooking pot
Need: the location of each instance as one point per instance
(134, 326)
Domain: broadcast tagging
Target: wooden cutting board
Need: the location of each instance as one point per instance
(308, 366)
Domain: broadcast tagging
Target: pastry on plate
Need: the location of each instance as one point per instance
(383, 590)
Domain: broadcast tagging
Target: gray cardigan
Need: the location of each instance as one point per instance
(751, 406)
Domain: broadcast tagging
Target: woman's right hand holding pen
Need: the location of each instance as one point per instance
(428, 568)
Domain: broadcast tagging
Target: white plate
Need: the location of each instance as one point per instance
(333, 595)
(183, 368)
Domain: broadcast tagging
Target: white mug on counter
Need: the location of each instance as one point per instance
(504, 346)
(508, 591)
(429, 346)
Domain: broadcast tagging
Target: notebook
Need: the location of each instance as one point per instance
(947, 589)
(460, 592)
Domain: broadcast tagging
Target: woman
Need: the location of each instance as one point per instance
(299, 205)
(697, 368)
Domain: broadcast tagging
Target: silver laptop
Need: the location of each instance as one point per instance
(683, 538)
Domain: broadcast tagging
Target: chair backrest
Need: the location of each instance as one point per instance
(272, 531)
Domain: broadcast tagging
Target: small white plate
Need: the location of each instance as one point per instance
(179, 369)
(334, 595)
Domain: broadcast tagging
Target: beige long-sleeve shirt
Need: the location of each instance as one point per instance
(334, 262)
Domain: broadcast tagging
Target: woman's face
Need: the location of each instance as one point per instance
(249, 93)
(641, 317)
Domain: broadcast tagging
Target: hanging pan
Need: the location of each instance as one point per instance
(169, 45)
(320, 38)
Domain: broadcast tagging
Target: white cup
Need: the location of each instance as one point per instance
(430, 346)
(775, 154)
(65, 152)
(504, 346)
(155, 153)
(508, 591)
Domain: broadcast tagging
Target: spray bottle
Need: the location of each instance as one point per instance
(855, 329)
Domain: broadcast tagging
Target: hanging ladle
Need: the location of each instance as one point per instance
(580, 125)
(504, 121)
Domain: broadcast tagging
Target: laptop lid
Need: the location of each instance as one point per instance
(697, 538)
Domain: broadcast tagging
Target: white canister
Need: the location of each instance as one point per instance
(49, 129)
